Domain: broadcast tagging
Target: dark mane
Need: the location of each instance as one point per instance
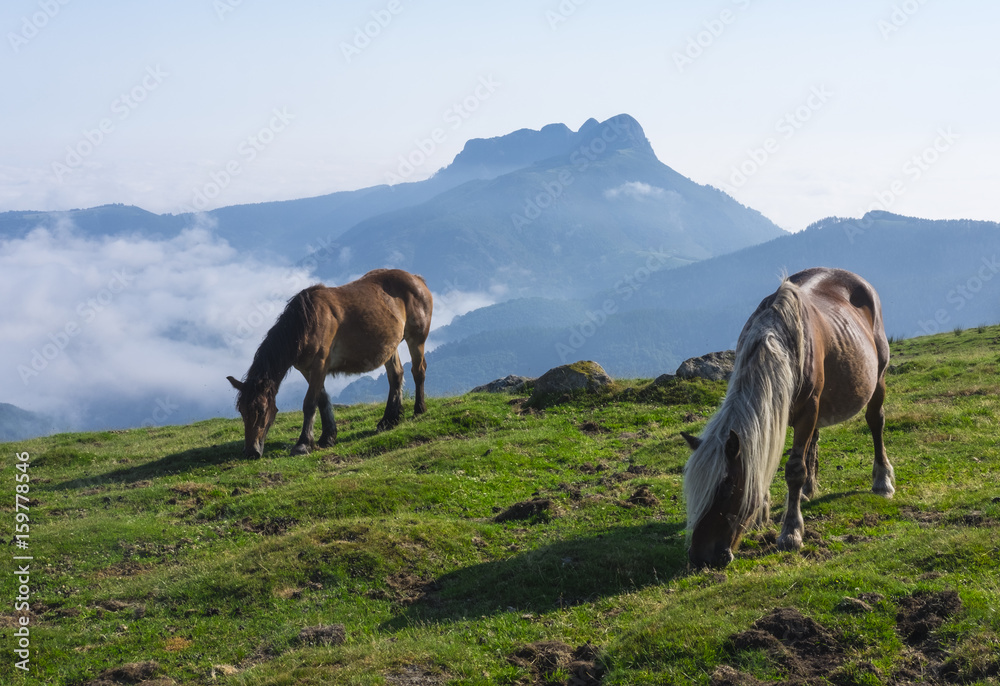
(281, 346)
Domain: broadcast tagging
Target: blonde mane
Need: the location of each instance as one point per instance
(765, 378)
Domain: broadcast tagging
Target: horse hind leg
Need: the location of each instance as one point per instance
(883, 476)
(329, 436)
(394, 404)
(418, 367)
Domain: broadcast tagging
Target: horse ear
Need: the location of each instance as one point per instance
(692, 441)
(732, 446)
(238, 385)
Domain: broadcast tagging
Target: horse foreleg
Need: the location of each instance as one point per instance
(305, 444)
(329, 436)
(418, 367)
(811, 485)
(883, 476)
(394, 404)
(796, 471)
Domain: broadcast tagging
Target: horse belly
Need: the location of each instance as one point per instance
(849, 383)
(362, 349)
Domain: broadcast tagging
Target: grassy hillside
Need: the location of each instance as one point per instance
(163, 555)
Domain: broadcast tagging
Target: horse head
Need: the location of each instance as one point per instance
(718, 504)
(258, 407)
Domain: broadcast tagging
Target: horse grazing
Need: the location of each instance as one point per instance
(350, 329)
(813, 354)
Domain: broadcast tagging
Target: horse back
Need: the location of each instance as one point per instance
(359, 325)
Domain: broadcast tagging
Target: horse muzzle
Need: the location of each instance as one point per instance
(718, 558)
(253, 452)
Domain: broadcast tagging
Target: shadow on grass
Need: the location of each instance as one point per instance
(560, 575)
(167, 465)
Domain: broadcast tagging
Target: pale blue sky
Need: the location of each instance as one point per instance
(866, 92)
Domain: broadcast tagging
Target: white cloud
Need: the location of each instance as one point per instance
(635, 190)
(127, 326)
(127, 330)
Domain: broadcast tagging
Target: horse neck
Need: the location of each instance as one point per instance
(271, 363)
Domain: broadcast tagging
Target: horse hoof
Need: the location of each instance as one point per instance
(327, 443)
(884, 492)
(301, 449)
(790, 543)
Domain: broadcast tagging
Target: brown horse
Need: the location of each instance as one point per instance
(813, 354)
(350, 329)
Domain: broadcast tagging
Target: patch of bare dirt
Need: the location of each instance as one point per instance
(641, 470)
(416, 675)
(544, 659)
(189, 488)
(130, 673)
(809, 653)
(870, 520)
(977, 519)
(924, 518)
(632, 472)
(643, 497)
(923, 612)
(594, 428)
(272, 526)
(405, 589)
(539, 509)
(806, 651)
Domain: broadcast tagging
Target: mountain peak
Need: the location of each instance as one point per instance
(620, 132)
(487, 158)
(491, 157)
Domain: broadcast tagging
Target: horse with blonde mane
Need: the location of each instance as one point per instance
(349, 329)
(813, 354)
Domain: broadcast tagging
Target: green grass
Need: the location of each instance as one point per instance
(166, 544)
